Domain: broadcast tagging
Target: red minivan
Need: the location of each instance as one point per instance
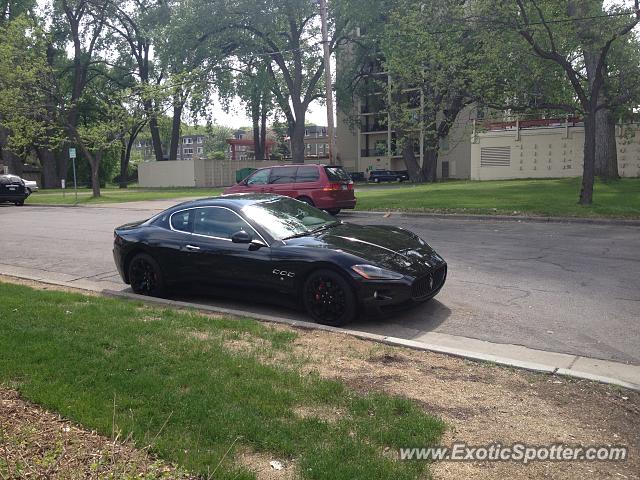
(327, 187)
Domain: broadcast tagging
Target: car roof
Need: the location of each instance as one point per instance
(233, 201)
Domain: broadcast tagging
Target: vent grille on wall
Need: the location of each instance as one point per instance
(495, 156)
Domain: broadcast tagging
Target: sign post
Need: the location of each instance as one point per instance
(72, 156)
(64, 186)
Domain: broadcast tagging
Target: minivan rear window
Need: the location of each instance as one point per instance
(337, 174)
(307, 175)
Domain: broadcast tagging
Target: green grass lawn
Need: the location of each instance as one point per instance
(177, 387)
(555, 197)
(117, 195)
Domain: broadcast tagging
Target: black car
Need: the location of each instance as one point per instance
(275, 244)
(378, 176)
(13, 189)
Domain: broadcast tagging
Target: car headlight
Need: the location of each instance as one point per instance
(371, 272)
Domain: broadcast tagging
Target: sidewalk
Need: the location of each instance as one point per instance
(517, 356)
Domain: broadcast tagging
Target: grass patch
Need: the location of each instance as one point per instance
(117, 195)
(179, 389)
(554, 197)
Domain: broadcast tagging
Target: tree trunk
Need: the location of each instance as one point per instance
(155, 130)
(606, 160)
(416, 174)
(94, 162)
(255, 121)
(48, 163)
(9, 158)
(430, 165)
(263, 127)
(297, 137)
(124, 165)
(588, 175)
(175, 130)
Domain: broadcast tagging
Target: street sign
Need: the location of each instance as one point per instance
(72, 153)
(64, 183)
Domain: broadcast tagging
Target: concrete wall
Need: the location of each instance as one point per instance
(199, 172)
(175, 173)
(548, 152)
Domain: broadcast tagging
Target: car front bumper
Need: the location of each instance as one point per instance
(385, 296)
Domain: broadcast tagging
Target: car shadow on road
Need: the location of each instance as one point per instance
(407, 323)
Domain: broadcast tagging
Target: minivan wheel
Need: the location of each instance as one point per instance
(19, 203)
(329, 299)
(333, 211)
(145, 276)
(306, 200)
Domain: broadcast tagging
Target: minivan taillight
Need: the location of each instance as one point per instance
(332, 187)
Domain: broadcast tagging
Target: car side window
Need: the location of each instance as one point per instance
(307, 175)
(283, 175)
(180, 221)
(218, 222)
(261, 177)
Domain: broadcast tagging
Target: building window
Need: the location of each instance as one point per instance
(187, 141)
(200, 150)
(187, 151)
(200, 139)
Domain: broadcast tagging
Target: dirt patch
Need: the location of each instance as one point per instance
(266, 467)
(35, 443)
(45, 286)
(484, 404)
(324, 413)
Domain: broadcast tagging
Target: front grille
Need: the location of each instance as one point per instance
(425, 286)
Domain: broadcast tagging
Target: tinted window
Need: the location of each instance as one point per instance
(218, 222)
(337, 174)
(180, 221)
(261, 177)
(283, 175)
(307, 174)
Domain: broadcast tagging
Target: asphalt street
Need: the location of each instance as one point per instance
(570, 288)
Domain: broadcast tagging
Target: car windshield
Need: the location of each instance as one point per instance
(286, 218)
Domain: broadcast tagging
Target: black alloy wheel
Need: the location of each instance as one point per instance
(329, 299)
(145, 276)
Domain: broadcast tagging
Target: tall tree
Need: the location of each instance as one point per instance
(553, 31)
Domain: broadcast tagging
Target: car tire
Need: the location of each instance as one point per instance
(145, 276)
(306, 200)
(333, 211)
(376, 180)
(328, 298)
(19, 203)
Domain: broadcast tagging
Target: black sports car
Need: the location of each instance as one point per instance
(277, 244)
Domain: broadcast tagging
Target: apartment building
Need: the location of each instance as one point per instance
(367, 140)
(189, 147)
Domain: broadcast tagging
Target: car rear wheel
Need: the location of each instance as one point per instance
(329, 299)
(306, 200)
(19, 203)
(333, 211)
(145, 276)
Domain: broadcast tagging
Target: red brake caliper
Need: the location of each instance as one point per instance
(318, 292)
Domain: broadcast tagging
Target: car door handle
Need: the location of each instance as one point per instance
(192, 248)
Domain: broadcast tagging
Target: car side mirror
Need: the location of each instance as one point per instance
(241, 237)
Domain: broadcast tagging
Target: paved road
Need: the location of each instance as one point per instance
(567, 288)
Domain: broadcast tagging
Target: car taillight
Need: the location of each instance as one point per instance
(332, 186)
(350, 186)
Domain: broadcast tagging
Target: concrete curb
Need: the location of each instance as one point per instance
(498, 218)
(392, 341)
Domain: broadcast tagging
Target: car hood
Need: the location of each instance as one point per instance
(385, 246)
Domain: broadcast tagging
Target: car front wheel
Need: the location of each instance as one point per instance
(145, 276)
(329, 299)
(333, 211)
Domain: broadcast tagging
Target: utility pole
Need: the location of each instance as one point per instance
(328, 81)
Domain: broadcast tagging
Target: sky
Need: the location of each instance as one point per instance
(236, 117)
